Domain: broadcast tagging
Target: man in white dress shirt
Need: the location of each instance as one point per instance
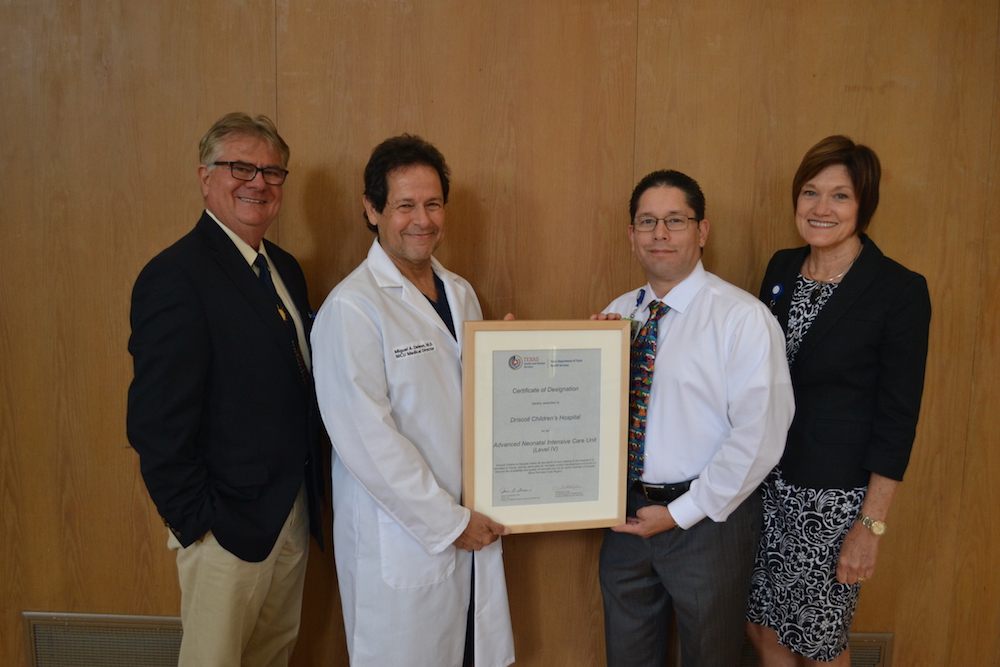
(719, 406)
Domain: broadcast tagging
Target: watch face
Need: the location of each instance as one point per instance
(874, 526)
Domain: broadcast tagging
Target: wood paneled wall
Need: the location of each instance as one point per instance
(548, 112)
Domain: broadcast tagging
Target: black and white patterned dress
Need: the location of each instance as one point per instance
(794, 588)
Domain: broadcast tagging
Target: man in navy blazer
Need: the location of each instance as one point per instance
(222, 410)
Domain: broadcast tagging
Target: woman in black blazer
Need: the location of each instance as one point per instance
(856, 326)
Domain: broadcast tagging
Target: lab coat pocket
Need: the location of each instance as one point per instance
(405, 563)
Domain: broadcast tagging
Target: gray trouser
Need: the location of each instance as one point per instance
(702, 575)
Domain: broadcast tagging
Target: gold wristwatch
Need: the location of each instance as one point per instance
(877, 528)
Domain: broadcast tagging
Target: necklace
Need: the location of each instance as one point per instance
(818, 291)
(839, 275)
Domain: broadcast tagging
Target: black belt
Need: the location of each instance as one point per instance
(661, 493)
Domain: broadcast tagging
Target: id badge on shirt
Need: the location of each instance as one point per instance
(634, 324)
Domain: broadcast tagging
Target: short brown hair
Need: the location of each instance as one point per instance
(862, 166)
(241, 124)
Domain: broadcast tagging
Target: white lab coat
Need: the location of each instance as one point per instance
(389, 382)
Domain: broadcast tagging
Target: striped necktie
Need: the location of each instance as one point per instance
(268, 284)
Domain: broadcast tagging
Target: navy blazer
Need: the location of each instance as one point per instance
(226, 427)
(858, 376)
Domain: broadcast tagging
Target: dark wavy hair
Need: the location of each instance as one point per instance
(406, 150)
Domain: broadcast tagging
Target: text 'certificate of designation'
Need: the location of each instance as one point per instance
(545, 416)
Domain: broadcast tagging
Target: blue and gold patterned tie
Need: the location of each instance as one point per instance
(643, 358)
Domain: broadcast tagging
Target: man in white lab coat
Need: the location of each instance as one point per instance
(421, 577)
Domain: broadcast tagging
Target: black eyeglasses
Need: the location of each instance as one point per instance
(245, 171)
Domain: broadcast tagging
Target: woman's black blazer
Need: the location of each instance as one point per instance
(858, 376)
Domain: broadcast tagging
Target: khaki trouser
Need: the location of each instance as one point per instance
(242, 614)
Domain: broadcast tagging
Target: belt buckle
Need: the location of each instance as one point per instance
(647, 487)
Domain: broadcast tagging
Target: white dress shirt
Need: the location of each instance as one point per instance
(721, 399)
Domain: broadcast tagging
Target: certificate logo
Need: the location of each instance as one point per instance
(514, 362)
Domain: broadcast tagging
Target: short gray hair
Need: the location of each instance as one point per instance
(241, 124)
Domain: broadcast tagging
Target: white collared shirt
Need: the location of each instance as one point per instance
(250, 255)
(721, 399)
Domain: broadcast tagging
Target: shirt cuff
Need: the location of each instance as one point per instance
(684, 511)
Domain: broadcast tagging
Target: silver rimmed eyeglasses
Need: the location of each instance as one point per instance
(245, 171)
(674, 223)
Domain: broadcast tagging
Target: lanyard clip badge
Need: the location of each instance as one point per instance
(776, 292)
(634, 324)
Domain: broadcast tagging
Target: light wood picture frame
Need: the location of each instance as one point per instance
(545, 422)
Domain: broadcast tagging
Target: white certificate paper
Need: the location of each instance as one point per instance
(546, 426)
(545, 419)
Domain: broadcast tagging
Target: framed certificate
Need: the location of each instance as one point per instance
(546, 406)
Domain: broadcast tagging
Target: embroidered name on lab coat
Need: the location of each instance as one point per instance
(413, 349)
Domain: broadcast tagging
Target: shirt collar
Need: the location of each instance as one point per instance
(680, 297)
(249, 254)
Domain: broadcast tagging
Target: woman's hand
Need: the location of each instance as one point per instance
(857, 556)
(860, 548)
